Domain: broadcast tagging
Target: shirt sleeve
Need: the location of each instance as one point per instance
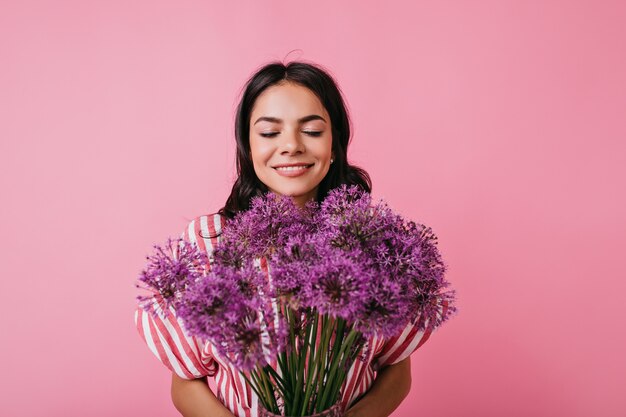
(400, 347)
(164, 334)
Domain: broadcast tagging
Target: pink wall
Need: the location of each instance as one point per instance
(507, 116)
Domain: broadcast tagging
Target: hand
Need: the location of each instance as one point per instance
(391, 386)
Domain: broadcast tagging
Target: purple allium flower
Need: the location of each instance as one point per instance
(386, 311)
(256, 232)
(228, 308)
(170, 270)
(351, 221)
(404, 252)
(230, 253)
(292, 264)
(416, 264)
(426, 272)
(339, 285)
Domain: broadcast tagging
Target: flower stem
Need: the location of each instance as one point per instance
(336, 378)
(300, 371)
(331, 370)
(260, 389)
(270, 391)
(254, 388)
(328, 325)
(310, 366)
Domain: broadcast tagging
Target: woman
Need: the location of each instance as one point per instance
(292, 131)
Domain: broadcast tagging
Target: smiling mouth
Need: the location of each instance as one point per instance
(293, 168)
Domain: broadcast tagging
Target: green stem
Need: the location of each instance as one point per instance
(328, 325)
(310, 367)
(270, 391)
(292, 351)
(254, 388)
(300, 371)
(337, 377)
(330, 371)
(263, 395)
(280, 384)
(284, 370)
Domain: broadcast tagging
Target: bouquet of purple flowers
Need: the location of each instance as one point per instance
(293, 294)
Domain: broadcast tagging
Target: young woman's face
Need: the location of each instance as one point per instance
(289, 126)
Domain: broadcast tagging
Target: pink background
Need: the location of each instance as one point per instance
(508, 117)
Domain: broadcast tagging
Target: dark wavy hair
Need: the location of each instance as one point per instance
(322, 84)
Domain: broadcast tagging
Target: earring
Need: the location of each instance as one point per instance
(331, 160)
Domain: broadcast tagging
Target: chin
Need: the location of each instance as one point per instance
(293, 191)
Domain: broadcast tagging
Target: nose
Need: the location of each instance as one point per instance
(291, 143)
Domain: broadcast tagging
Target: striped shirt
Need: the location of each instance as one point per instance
(189, 357)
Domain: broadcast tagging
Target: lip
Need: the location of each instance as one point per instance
(295, 173)
(297, 164)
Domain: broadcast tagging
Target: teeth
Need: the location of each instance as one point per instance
(298, 168)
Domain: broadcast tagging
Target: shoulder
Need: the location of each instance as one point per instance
(205, 231)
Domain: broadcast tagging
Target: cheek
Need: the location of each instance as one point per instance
(325, 147)
(258, 152)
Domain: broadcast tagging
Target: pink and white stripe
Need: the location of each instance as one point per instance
(190, 358)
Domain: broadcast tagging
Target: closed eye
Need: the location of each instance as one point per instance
(315, 133)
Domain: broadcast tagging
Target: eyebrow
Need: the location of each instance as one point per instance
(300, 120)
